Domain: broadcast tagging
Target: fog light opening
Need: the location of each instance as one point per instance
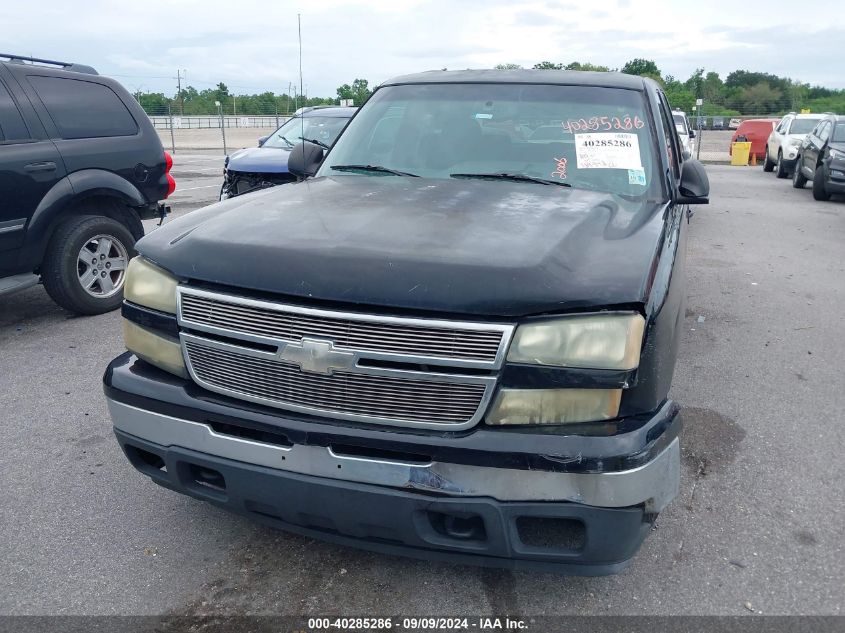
(552, 533)
(146, 461)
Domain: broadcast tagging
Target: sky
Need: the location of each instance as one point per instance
(252, 46)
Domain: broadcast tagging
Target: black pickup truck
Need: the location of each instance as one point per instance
(453, 338)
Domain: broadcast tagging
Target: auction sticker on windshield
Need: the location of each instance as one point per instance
(607, 151)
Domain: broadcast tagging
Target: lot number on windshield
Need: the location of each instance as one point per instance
(607, 151)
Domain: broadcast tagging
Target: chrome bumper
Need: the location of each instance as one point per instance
(654, 484)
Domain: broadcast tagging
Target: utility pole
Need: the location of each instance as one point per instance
(179, 72)
(699, 104)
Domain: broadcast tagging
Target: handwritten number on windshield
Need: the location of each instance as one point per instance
(603, 123)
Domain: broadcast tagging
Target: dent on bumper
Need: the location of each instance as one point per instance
(654, 484)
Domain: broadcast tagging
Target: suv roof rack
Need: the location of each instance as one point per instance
(21, 59)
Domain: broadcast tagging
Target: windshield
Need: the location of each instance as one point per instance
(322, 128)
(802, 126)
(680, 123)
(584, 137)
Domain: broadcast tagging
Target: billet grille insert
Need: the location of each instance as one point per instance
(392, 337)
(347, 393)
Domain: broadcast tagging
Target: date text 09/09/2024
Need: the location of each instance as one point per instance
(418, 623)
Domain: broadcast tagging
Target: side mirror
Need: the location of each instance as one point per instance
(692, 133)
(694, 187)
(262, 140)
(304, 159)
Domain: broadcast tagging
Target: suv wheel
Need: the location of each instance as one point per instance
(85, 265)
(781, 167)
(798, 179)
(819, 190)
(768, 165)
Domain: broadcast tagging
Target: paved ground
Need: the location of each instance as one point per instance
(758, 524)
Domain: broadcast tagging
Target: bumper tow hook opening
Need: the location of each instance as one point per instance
(207, 478)
(462, 528)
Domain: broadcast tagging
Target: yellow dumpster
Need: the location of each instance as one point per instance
(739, 153)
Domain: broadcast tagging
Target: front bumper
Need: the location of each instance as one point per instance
(485, 503)
(836, 177)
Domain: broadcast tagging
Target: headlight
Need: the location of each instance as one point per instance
(162, 351)
(597, 341)
(150, 286)
(554, 406)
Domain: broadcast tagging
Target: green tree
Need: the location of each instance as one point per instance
(587, 66)
(548, 66)
(221, 93)
(695, 84)
(642, 67)
(154, 103)
(761, 98)
(712, 87)
(508, 67)
(746, 79)
(359, 91)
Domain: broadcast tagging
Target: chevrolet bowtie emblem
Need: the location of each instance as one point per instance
(316, 357)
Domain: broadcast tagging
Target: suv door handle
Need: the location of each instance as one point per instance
(44, 166)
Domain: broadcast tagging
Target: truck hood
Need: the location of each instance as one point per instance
(470, 247)
(262, 160)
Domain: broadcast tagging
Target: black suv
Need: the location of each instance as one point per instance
(80, 167)
(821, 158)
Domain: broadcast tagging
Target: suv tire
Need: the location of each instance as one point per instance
(768, 165)
(781, 171)
(798, 179)
(819, 190)
(77, 284)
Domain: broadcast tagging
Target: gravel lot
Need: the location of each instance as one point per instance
(758, 524)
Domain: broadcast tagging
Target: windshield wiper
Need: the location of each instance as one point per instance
(287, 140)
(514, 177)
(375, 168)
(313, 140)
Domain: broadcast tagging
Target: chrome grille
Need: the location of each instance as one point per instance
(331, 363)
(471, 344)
(258, 377)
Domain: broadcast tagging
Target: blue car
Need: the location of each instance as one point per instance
(265, 166)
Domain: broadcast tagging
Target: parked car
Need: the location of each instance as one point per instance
(718, 123)
(450, 340)
(784, 141)
(80, 167)
(685, 132)
(265, 166)
(821, 158)
(755, 131)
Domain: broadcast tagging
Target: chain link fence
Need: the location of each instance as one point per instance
(213, 130)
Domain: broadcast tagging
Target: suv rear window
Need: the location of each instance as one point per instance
(12, 127)
(83, 109)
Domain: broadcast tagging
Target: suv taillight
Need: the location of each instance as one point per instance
(168, 165)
